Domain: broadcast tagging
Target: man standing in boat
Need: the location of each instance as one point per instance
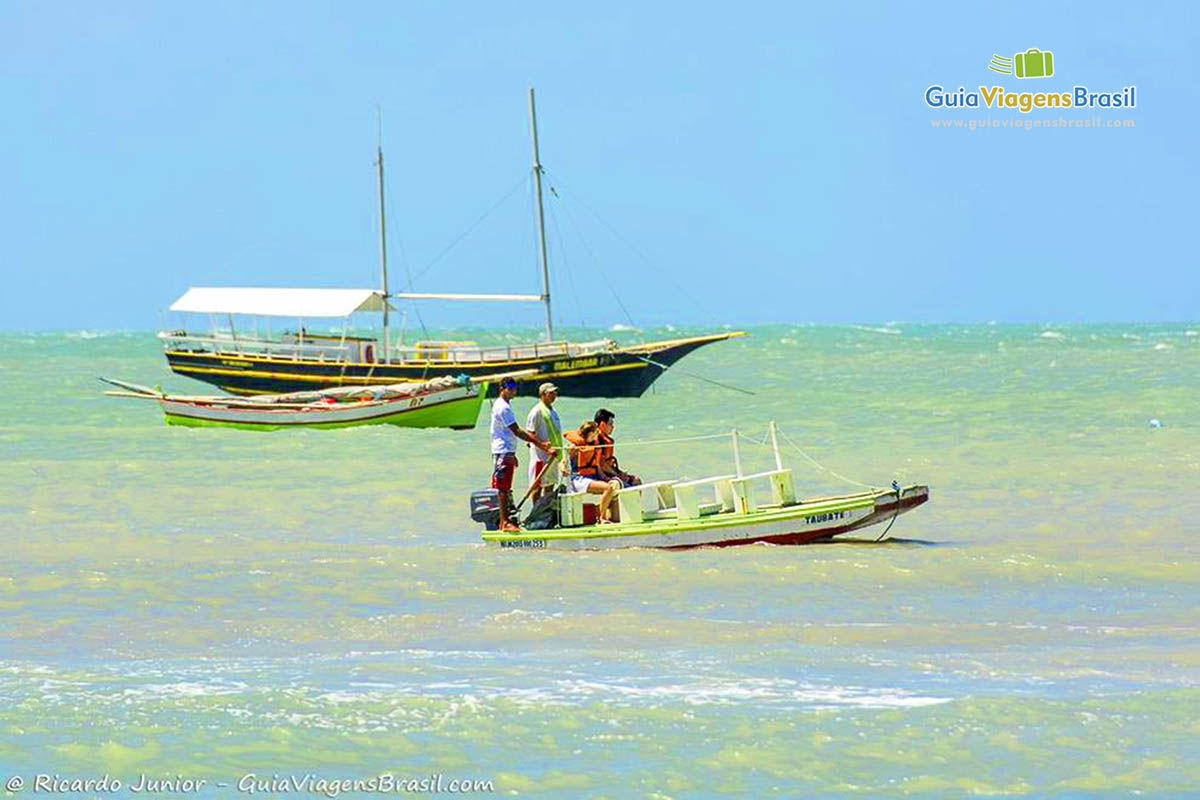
(505, 433)
(544, 424)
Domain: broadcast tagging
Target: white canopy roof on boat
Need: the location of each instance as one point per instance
(279, 302)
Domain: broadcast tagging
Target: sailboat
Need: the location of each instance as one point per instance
(248, 362)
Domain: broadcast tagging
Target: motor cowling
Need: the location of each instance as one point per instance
(485, 508)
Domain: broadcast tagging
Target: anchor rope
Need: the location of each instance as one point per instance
(891, 522)
(728, 386)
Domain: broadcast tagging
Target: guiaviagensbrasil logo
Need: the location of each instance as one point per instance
(1031, 63)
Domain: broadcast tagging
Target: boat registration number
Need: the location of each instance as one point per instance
(828, 516)
(535, 543)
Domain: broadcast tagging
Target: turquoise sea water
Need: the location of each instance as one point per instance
(211, 603)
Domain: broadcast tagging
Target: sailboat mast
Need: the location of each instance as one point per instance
(387, 345)
(541, 218)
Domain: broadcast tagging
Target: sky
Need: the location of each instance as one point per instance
(711, 164)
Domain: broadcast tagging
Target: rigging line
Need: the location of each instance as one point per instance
(756, 441)
(648, 442)
(814, 462)
(731, 387)
(469, 230)
(421, 321)
(681, 286)
(600, 269)
(562, 253)
(408, 276)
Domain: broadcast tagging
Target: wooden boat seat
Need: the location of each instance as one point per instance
(570, 508)
(687, 502)
(647, 501)
(783, 490)
(642, 503)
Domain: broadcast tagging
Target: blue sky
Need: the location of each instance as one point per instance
(757, 162)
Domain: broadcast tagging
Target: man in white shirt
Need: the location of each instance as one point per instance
(505, 433)
(543, 423)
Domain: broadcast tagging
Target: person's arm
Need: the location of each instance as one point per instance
(520, 433)
(607, 462)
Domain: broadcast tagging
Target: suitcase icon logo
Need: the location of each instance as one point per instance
(1033, 63)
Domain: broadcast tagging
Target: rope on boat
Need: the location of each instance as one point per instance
(729, 386)
(760, 442)
(813, 461)
(648, 442)
(883, 535)
(816, 464)
(468, 231)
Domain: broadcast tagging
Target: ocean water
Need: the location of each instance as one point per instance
(214, 604)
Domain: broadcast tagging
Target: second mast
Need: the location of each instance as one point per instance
(541, 220)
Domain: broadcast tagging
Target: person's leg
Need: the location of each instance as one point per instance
(502, 477)
(607, 509)
(505, 503)
(607, 490)
(535, 467)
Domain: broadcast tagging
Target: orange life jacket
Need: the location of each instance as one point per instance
(585, 459)
(604, 450)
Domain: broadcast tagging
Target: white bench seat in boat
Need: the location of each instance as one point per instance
(637, 503)
(688, 505)
(570, 508)
(647, 501)
(783, 490)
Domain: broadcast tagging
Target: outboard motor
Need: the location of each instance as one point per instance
(485, 508)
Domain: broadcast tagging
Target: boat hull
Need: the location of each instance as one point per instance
(623, 372)
(812, 521)
(457, 408)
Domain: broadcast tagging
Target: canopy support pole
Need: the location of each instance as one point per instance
(775, 447)
(737, 455)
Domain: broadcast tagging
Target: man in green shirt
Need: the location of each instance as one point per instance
(544, 424)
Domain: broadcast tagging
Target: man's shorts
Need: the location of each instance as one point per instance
(503, 471)
(549, 474)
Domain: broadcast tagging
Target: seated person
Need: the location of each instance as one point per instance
(585, 470)
(609, 469)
